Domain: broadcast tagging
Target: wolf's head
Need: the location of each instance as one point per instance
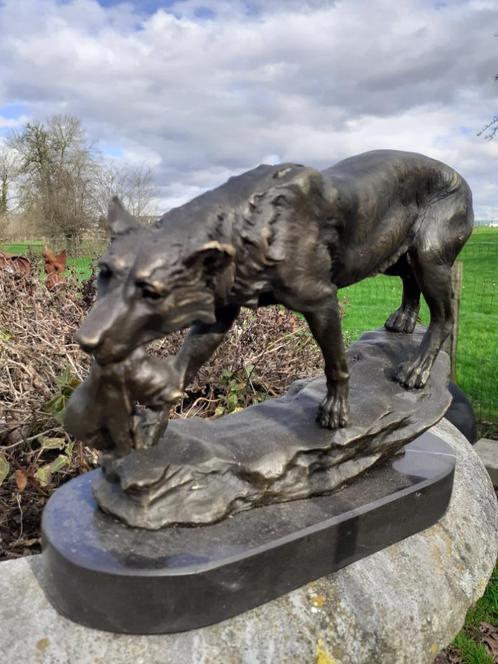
(150, 283)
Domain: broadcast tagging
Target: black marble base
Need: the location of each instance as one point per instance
(106, 575)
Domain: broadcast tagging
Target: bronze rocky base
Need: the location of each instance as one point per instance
(203, 471)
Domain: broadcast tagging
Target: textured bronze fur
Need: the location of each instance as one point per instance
(286, 235)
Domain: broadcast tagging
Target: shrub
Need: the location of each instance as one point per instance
(41, 365)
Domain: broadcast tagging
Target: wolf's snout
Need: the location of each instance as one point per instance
(87, 342)
(98, 326)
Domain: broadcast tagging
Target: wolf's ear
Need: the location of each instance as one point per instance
(212, 257)
(306, 182)
(118, 218)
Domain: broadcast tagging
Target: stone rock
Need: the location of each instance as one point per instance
(487, 450)
(401, 605)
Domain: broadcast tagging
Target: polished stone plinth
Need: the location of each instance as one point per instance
(106, 575)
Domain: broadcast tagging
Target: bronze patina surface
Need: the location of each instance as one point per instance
(202, 471)
(283, 234)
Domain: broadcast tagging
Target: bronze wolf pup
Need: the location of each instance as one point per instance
(286, 235)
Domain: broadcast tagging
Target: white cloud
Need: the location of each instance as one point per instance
(199, 95)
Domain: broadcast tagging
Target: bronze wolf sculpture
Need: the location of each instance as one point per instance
(286, 235)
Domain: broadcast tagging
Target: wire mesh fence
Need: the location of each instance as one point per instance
(477, 350)
(368, 304)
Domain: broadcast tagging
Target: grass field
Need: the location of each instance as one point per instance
(368, 304)
(469, 641)
(81, 265)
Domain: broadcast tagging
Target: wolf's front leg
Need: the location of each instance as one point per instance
(325, 325)
(202, 341)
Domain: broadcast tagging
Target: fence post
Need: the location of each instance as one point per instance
(450, 345)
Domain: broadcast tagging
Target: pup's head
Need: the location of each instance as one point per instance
(150, 283)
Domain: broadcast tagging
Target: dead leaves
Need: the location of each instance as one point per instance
(484, 633)
(449, 655)
(4, 468)
(45, 472)
(488, 636)
(21, 480)
(38, 351)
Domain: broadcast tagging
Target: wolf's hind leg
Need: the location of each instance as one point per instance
(435, 282)
(404, 319)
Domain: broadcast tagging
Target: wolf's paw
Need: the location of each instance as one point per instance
(402, 320)
(413, 375)
(333, 413)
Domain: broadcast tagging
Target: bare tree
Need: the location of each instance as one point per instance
(64, 186)
(490, 130)
(8, 170)
(139, 190)
(133, 184)
(56, 176)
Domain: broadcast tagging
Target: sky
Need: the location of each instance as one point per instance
(199, 91)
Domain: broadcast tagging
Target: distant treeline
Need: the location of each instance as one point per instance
(486, 222)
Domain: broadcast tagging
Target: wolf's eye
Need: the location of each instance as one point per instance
(105, 273)
(149, 293)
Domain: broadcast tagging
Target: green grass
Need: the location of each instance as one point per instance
(486, 610)
(81, 266)
(22, 248)
(369, 303)
(471, 651)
